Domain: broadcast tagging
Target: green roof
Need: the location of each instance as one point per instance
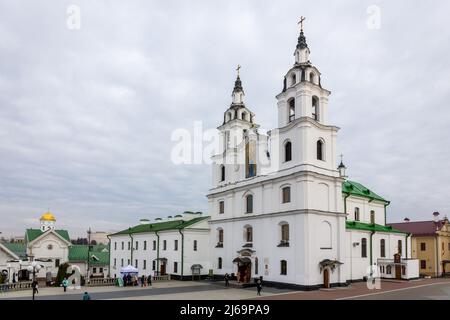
(356, 225)
(357, 189)
(32, 234)
(80, 253)
(161, 226)
(20, 249)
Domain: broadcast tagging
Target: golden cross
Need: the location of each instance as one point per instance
(238, 67)
(302, 18)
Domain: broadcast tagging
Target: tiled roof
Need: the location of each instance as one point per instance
(20, 249)
(357, 189)
(420, 228)
(355, 225)
(80, 253)
(161, 226)
(32, 234)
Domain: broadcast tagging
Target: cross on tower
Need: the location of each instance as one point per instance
(342, 157)
(237, 69)
(302, 18)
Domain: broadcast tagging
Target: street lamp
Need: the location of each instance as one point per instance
(9, 272)
(33, 268)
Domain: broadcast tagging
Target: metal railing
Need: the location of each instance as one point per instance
(161, 278)
(18, 286)
(98, 282)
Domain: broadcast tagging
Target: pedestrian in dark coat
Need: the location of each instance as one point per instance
(149, 280)
(227, 280)
(259, 286)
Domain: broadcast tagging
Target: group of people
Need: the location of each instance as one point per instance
(134, 280)
(259, 282)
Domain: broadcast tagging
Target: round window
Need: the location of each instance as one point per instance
(50, 247)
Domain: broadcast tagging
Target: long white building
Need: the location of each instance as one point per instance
(177, 246)
(279, 207)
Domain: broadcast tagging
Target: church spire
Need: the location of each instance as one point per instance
(238, 91)
(302, 51)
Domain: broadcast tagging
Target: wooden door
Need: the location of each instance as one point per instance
(398, 272)
(326, 278)
(163, 269)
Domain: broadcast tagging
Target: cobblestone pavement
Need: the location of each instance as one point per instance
(390, 290)
(438, 289)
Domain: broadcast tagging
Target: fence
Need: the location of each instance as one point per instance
(161, 278)
(98, 282)
(18, 286)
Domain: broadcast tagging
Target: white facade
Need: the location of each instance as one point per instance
(282, 215)
(172, 251)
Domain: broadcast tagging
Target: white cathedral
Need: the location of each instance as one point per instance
(279, 207)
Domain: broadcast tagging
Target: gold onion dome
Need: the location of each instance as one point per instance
(48, 216)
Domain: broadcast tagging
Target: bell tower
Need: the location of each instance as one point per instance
(303, 114)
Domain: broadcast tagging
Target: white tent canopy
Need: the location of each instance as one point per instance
(129, 269)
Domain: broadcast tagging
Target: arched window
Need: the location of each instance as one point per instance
(383, 248)
(372, 217)
(244, 116)
(248, 234)
(283, 267)
(293, 79)
(364, 248)
(312, 77)
(326, 236)
(315, 108)
(319, 150)
(288, 151)
(356, 214)
(222, 173)
(388, 269)
(399, 247)
(286, 194)
(219, 238)
(249, 204)
(219, 263)
(291, 104)
(284, 226)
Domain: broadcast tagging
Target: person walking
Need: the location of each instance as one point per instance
(149, 280)
(35, 286)
(227, 280)
(259, 286)
(86, 296)
(65, 284)
(143, 281)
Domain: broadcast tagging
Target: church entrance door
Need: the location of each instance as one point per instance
(244, 272)
(326, 278)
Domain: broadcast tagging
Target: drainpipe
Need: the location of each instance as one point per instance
(371, 249)
(157, 253)
(109, 266)
(131, 253)
(437, 256)
(385, 215)
(345, 204)
(182, 252)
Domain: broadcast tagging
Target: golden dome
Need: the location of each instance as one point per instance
(48, 216)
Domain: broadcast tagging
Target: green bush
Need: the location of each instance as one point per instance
(2, 278)
(62, 273)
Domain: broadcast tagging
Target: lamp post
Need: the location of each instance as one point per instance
(33, 268)
(9, 272)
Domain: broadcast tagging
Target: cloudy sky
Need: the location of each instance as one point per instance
(86, 115)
